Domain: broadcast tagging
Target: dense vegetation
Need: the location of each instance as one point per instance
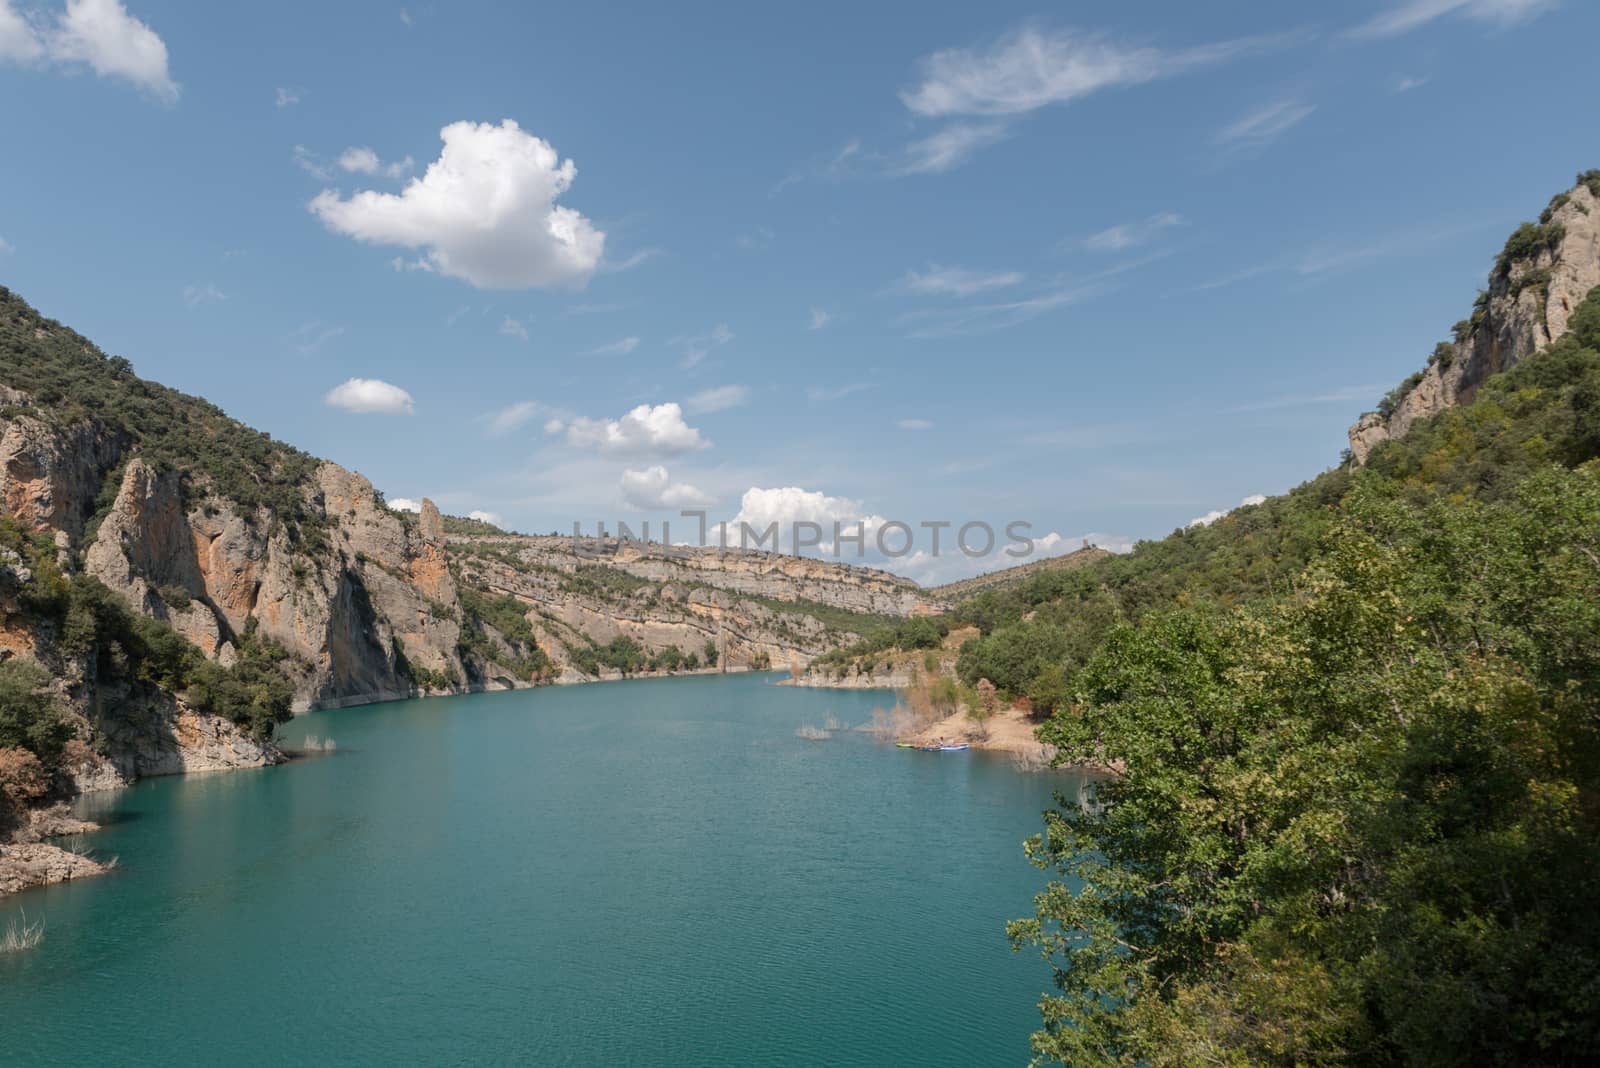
(69, 379)
(1358, 730)
(508, 616)
(921, 632)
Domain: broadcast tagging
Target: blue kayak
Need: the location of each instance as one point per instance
(954, 748)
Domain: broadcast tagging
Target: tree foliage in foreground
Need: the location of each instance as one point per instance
(1358, 826)
(1358, 814)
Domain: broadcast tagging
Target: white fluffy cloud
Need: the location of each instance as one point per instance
(787, 505)
(957, 281)
(370, 395)
(98, 33)
(486, 517)
(646, 430)
(102, 34)
(652, 489)
(404, 504)
(363, 160)
(485, 211)
(18, 41)
(717, 399)
(1211, 517)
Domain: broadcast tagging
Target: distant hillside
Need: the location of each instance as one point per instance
(953, 592)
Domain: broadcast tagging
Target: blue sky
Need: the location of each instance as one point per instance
(1100, 268)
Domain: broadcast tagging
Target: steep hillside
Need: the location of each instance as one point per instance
(1355, 815)
(1540, 277)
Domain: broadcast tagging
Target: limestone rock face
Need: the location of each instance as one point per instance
(353, 607)
(145, 546)
(49, 476)
(159, 735)
(1521, 315)
(755, 609)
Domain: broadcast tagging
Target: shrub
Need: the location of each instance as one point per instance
(28, 717)
(23, 780)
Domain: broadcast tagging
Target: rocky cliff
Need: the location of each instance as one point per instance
(184, 580)
(683, 606)
(1538, 281)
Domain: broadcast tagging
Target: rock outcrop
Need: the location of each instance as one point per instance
(1535, 287)
(357, 608)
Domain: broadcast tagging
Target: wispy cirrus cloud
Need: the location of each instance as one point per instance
(1034, 67)
(950, 147)
(998, 315)
(825, 394)
(717, 399)
(1261, 127)
(1333, 256)
(697, 347)
(1342, 395)
(1130, 235)
(980, 92)
(936, 280)
(512, 417)
(620, 347)
(197, 294)
(308, 338)
(1413, 14)
(628, 263)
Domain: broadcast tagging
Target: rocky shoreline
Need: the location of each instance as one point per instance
(29, 861)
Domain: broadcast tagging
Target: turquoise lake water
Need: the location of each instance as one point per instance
(647, 872)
